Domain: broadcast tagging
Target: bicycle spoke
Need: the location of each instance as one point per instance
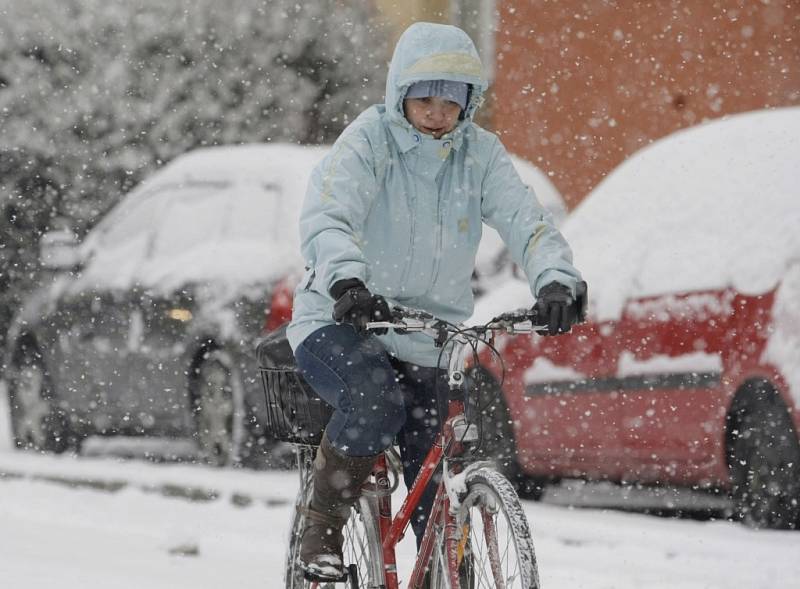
(358, 547)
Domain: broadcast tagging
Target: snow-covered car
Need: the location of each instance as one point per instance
(688, 371)
(148, 326)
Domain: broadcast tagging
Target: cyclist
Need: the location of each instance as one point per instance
(393, 215)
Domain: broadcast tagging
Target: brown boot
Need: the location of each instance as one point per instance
(336, 487)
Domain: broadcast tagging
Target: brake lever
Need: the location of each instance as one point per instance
(519, 322)
(400, 324)
(441, 333)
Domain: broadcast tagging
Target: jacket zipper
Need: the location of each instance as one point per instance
(410, 254)
(439, 238)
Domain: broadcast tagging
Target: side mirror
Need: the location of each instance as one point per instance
(58, 250)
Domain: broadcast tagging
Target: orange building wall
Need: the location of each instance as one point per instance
(580, 85)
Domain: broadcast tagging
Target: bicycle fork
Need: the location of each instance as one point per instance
(392, 529)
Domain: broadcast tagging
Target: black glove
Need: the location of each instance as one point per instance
(555, 307)
(357, 306)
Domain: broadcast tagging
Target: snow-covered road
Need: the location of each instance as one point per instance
(85, 523)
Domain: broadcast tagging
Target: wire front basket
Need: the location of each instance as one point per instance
(294, 412)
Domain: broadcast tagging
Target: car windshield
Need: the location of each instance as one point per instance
(137, 216)
(191, 217)
(162, 221)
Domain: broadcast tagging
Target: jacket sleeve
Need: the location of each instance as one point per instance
(526, 227)
(340, 194)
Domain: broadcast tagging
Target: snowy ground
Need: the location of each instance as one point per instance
(95, 522)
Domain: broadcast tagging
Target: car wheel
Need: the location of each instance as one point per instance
(217, 400)
(37, 420)
(489, 410)
(765, 467)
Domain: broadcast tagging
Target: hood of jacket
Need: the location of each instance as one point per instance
(429, 51)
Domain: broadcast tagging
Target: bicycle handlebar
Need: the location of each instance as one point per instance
(521, 321)
(405, 320)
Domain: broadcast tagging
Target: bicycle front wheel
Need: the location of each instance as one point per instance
(362, 546)
(495, 547)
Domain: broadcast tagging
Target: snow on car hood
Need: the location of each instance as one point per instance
(708, 207)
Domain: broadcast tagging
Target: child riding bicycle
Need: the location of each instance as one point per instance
(393, 215)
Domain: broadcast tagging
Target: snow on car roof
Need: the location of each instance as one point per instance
(709, 207)
(243, 162)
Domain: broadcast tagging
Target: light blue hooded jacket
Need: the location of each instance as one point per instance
(403, 211)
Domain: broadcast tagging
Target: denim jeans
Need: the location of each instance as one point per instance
(376, 399)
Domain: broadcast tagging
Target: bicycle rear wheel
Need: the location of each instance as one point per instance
(362, 546)
(496, 548)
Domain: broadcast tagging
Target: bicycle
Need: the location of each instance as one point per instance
(477, 534)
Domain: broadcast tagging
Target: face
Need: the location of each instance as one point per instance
(432, 115)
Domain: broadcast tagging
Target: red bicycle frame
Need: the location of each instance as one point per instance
(392, 530)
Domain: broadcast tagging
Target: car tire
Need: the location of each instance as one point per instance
(765, 463)
(488, 408)
(38, 422)
(217, 407)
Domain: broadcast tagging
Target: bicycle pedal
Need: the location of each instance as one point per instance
(313, 577)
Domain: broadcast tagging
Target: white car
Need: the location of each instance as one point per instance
(149, 325)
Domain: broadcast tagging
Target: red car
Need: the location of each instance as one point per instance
(688, 371)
